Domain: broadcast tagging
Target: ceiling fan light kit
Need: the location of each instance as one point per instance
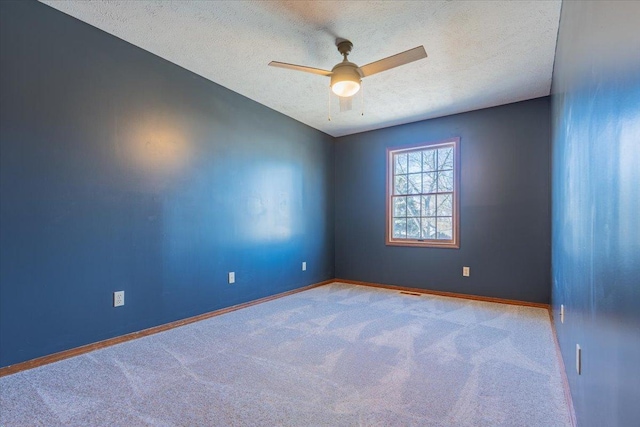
(346, 76)
(345, 79)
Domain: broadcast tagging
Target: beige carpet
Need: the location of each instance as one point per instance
(337, 355)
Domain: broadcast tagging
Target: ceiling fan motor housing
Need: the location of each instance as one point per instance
(345, 79)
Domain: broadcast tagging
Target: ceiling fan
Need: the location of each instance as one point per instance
(347, 76)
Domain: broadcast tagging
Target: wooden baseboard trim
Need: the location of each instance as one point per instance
(45, 360)
(446, 294)
(563, 371)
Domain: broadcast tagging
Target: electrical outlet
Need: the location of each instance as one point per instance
(578, 359)
(466, 271)
(118, 298)
(304, 266)
(561, 313)
(232, 277)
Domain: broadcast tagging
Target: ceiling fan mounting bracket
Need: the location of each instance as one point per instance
(344, 47)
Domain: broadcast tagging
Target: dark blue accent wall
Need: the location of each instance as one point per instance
(505, 206)
(596, 207)
(122, 171)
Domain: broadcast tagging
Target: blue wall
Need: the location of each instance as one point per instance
(505, 206)
(122, 171)
(596, 207)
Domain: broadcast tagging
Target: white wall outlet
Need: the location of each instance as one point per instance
(466, 271)
(578, 359)
(561, 313)
(304, 266)
(118, 298)
(232, 277)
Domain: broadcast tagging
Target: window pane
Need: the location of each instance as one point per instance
(428, 160)
(400, 184)
(428, 228)
(445, 158)
(399, 228)
(413, 228)
(415, 162)
(413, 206)
(445, 181)
(399, 206)
(428, 205)
(445, 207)
(400, 163)
(415, 183)
(429, 182)
(444, 229)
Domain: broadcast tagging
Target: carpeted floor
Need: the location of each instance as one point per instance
(336, 355)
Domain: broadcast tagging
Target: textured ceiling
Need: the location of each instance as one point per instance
(481, 53)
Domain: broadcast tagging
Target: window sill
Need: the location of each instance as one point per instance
(424, 244)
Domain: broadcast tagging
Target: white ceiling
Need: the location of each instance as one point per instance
(481, 53)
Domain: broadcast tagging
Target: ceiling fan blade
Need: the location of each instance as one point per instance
(394, 61)
(300, 68)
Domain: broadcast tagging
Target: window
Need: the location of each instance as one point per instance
(422, 195)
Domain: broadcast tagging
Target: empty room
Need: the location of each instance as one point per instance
(319, 213)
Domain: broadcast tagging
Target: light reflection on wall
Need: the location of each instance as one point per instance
(629, 160)
(154, 143)
(273, 205)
